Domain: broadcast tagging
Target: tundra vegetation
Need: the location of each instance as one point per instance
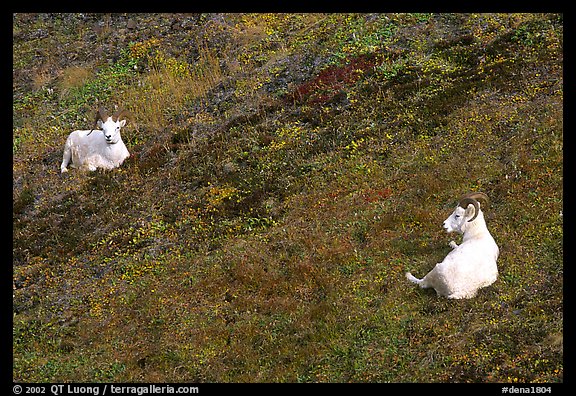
(286, 170)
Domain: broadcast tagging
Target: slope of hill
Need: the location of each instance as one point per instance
(286, 170)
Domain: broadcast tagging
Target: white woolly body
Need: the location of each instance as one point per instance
(97, 149)
(470, 265)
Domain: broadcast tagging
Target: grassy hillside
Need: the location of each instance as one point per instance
(285, 171)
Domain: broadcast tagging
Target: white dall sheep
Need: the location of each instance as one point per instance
(97, 148)
(470, 265)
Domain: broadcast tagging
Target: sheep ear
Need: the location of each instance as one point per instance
(470, 212)
(122, 123)
(99, 123)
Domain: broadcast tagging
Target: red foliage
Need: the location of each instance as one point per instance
(373, 195)
(332, 81)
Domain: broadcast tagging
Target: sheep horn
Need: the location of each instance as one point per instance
(480, 196)
(472, 199)
(100, 115)
(119, 113)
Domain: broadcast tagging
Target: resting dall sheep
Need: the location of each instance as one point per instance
(102, 149)
(471, 265)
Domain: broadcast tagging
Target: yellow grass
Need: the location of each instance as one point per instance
(170, 85)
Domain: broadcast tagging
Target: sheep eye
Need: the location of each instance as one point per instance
(456, 216)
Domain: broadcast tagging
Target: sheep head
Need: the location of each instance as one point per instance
(472, 198)
(457, 222)
(110, 125)
(111, 131)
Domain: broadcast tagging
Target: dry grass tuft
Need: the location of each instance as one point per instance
(169, 85)
(73, 77)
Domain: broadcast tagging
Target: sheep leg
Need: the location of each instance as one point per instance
(66, 158)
